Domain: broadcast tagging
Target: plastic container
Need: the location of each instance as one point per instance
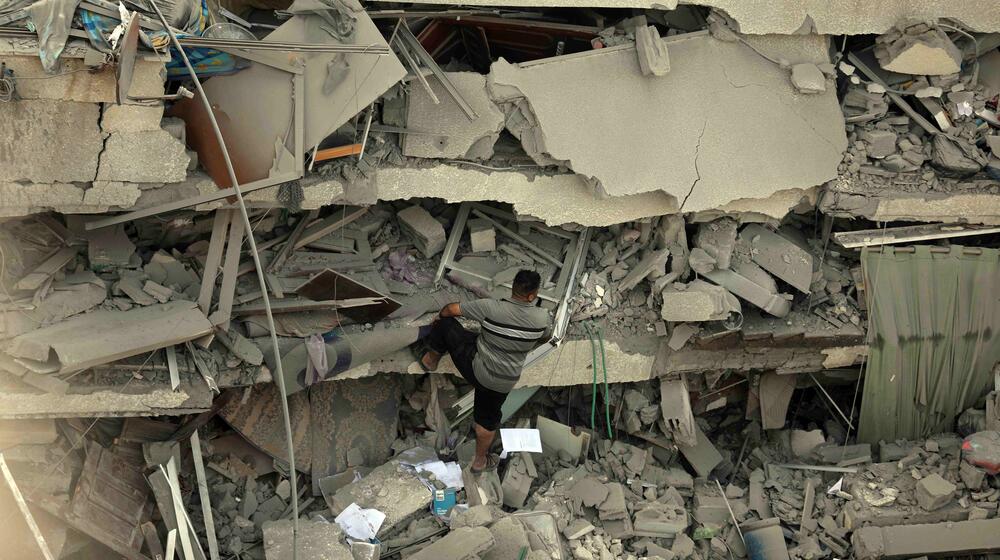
(765, 540)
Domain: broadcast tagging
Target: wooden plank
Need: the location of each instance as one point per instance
(338, 152)
(23, 507)
(206, 503)
(229, 276)
(293, 238)
(217, 242)
(171, 544)
(296, 305)
(179, 514)
(909, 234)
(175, 374)
(152, 539)
(51, 265)
(333, 222)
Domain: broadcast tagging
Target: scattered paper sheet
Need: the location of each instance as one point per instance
(448, 473)
(521, 439)
(837, 486)
(361, 524)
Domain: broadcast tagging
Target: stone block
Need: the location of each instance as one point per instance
(697, 301)
(143, 157)
(509, 537)
(934, 492)
(808, 78)
(461, 544)
(131, 118)
(972, 476)
(426, 232)
(881, 143)
(482, 236)
(47, 141)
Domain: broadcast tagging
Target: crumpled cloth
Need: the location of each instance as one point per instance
(52, 20)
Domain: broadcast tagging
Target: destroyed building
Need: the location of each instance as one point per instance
(768, 233)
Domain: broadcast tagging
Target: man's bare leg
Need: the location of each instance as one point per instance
(431, 359)
(484, 439)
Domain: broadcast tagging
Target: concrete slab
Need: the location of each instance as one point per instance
(835, 17)
(152, 156)
(444, 129)
(460, 544)
(75, 81)
(909, 541)
(316, 541)
(48, 141)
(703, 161)
(398, 494)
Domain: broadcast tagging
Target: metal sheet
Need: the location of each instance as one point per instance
(331, 285)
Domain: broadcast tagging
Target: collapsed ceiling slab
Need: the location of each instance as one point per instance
(727, 123)
(971, 204)
(829, 17)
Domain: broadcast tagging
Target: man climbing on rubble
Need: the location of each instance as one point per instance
(493, 359)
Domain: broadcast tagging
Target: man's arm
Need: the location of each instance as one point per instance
(450, 310)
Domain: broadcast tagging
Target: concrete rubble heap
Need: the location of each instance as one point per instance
(697, 187)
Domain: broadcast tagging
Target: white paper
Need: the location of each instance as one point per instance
(521, 439)
(448, 473)
(837, 486)
(361, 524)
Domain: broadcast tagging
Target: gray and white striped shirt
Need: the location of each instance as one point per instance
(510, 329)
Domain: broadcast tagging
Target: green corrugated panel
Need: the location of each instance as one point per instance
(934, 336)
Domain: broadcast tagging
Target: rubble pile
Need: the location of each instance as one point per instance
(703, 231)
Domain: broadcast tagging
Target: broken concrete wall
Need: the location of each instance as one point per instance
(833, 17)
(67, 146)
(442, 130)
(685, 133)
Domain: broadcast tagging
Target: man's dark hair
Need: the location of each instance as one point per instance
(526, 282)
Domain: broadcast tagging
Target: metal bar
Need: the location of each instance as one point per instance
(267, 58)
(299, 91)
(428, 60)
(731, 514)
(189, 202)
(503, 215)
(289, 245)
(896, 98)
(822, 468)
(405, 51)
(23, 506)
(229, 274)
(175, 374)
(368, 127)
(829, 398)
(451, 247)
(283, 46)
(206, 500)
(909, 234)
(514, 235)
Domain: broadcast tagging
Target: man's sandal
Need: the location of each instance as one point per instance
(492, 462)
(419, 350)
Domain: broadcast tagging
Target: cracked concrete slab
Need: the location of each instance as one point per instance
(152, 156)
(49, 141)
(18, 199)
(693, 147)
(830, 17)
(445, 130)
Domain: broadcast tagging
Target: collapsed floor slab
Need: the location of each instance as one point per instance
(716, 95)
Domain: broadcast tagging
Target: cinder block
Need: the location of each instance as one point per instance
(934, 492)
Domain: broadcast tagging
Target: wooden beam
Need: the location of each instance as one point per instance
(229, 274)
(217, 242)
(206, 501)
(51, 265)
(909, 234)
(335, 221)
(293, 238)
(338, 152)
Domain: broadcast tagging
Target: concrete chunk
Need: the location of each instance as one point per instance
(654, 60)
(482, 236)
(131, 118)
(776, 304)
(426, 232)
(48, 141)
(779, 256)
(398, 494)
(143, 157)
(697, 301)
(929, 53)
(934, 492)
(807, 78)
(461, 544)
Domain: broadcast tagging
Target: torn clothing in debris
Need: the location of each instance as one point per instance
(449, 337)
